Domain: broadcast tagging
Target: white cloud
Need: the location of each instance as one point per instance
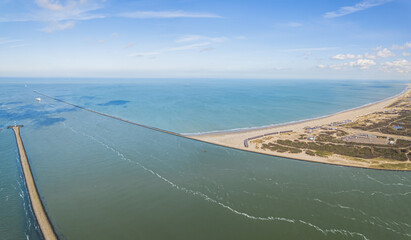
(337, 66)
(203, 45)
(55, 11)
(11, 43)
(193, 46)
(405, 54)
(188, 47)
(206, 49)
(129, 45)
(362, 63)
(168, 14)
(365, 4)
(370, 56)
(60, 16)
(385, 53)
(7, 41)
(53, 5)
(218, 39)
(57, 26)
(402, 47)
(346, 56)
(189, 38)
(17, 46)
(72, 10)
(400, 66)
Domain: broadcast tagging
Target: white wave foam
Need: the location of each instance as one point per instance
(387, 184)
(339, 206)
(186, 190)
(347, 191)
(335, 231)
(244, 214)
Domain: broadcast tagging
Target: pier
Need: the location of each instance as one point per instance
(36, 205)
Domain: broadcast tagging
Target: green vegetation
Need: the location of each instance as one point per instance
(309, 152)
(397, 166)
(402, 143)
(328, 138)
(341, 133)
(387, 126)
(323, 153)
(280, 148)
(352, 150)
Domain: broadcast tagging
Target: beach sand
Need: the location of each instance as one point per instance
(236, 139)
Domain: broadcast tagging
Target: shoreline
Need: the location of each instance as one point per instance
(247, 129)
(238, 139)
(235, 140)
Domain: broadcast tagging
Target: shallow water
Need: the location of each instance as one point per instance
(105, 179)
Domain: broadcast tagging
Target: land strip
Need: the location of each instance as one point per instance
(373, 136)
(35, 201)
(253, 140)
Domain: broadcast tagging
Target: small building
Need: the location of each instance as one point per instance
(310, 138)
(38, 99)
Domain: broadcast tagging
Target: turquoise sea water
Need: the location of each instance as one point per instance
(104, 179)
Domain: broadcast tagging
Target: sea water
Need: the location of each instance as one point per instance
(100, 178)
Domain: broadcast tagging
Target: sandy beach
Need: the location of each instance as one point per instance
(236, 139)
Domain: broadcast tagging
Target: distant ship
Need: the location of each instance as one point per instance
(38, 99)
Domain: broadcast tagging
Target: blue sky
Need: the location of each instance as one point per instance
(278, 39)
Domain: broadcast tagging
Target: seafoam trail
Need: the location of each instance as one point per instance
(212, 200)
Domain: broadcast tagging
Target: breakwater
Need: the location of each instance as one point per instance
(35, 200)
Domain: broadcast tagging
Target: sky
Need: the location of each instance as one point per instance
(269, 39)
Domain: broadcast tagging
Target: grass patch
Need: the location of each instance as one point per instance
(323, 153)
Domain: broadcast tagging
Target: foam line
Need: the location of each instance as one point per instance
(209, 199)
(186, 190)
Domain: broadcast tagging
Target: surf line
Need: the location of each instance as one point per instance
(203, 141)
(40, 214)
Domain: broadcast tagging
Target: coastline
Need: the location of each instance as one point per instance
(271, 126)
(236, 139)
